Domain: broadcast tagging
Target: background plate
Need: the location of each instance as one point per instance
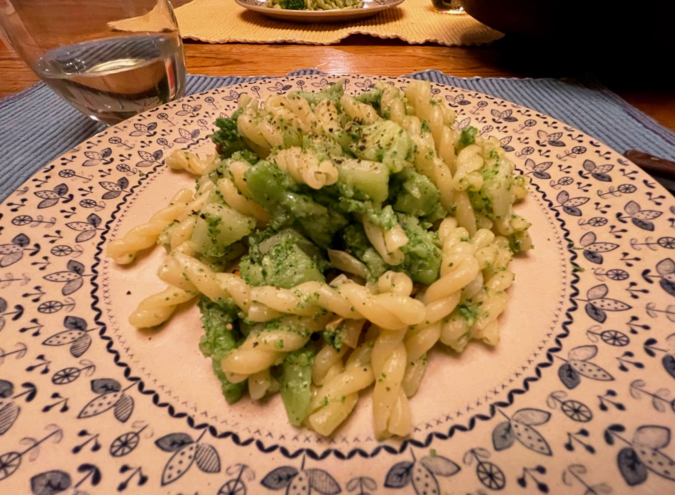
(370, 7)
(577, 396)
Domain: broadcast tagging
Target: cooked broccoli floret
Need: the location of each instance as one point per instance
(246, 156)
(332, 92)
(467, 137)
(469, 312)
(422, 257)
(292, 4)
(227, 138)
(289, 206)
(220, 263)
(373, 98)
(222, 334)
(413, 193)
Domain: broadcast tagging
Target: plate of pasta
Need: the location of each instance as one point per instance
(337, 285)
(318, 10)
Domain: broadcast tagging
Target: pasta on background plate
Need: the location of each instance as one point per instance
(314, 4)
(332, 242)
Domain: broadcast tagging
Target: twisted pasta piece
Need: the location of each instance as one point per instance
(295, 111)
(325, 362)
(347, 263)
(392, 102)
(304, 299)
(469, 162)
(435, 150)
(192, 162)
(259, 384)
(258, 130)
(266, 347)
(158, 308)
(305, 166)
(457, 272)
(335, 400)
(188, 277)
(236, 194)
(343, 297)
(491, 301)
(418, 342)
(389, 310)
(171, 272)
(177, 234)
(464, 212)
(215, 286)
(390, 358)
(428, 163)
(363, 113)
(391, 414)
(437, 115)
(241, 203)
(478, 270)
(238, 171)
(328, 119)
(277, 123)
(439, 119)
(143, 236)
(395, 282)
(461, 277)
(387, 243)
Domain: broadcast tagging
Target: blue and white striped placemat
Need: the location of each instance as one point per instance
(36, 126)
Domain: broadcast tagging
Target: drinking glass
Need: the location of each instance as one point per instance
(110, 59)
(448, 6)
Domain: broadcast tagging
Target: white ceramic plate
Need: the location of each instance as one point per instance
(577, 398)
(370, 7)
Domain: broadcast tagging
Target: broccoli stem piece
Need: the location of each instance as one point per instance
(283, 259)
(296, 378)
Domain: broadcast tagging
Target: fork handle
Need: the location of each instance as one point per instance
(652, 164)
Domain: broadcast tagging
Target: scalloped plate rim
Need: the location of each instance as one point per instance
(607, 350)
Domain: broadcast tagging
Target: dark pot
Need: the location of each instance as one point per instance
(596, 24)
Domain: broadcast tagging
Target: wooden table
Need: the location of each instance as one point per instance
(367, 55)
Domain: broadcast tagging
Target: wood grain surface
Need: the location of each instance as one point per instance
(367, 55)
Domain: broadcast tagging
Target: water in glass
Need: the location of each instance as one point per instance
(115, 78)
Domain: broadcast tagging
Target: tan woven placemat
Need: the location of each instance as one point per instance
(414, 21)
